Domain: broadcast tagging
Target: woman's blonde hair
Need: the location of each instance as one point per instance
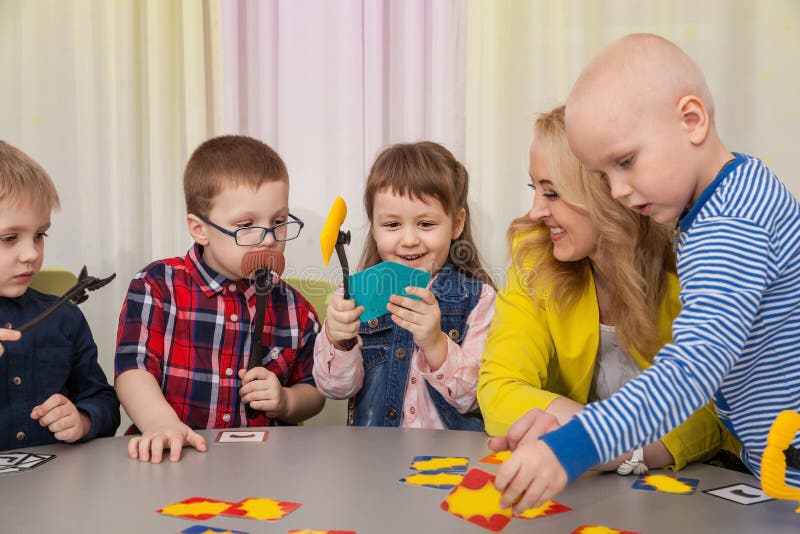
(425, 170)
(637, 252)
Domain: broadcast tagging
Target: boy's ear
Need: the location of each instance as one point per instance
(197, 229)
(458, 222)
(694, 118)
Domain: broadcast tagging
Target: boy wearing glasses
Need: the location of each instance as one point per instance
(185, 327)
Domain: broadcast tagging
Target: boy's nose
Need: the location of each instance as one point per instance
(619, 189)
(29, 253)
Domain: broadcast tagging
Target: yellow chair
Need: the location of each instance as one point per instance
(317, 292)
(54, 281)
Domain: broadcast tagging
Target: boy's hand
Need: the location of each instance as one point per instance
(173, 435)
(263, 391)
(62, 418)
(342, 319)
(423, 319)
(8, 335)
(527, 429)
(530, 477)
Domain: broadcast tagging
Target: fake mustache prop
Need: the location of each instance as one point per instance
(333, 237)
(260, 265)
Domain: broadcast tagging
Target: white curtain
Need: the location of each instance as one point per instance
(329, 84)
(110, 97)
(524, 55)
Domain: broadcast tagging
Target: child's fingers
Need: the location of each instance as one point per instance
(498, 443)
(426, 295)
(9, 335)
(42, 411)
(175, 448)
(197, 441)
(133, 447)
(256, 373)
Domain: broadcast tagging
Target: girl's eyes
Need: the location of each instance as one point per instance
(8, 238)
(391, 224)
(40, 235)
(626, 162)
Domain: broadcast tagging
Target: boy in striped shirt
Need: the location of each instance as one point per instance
(642, 116)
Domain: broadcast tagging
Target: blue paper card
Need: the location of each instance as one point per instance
(372, 287)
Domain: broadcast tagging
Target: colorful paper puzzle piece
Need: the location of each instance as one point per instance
(196, 508)
(438, 480)
(599, 529)
(477, 500)
(261, 508)
(438, 464)
(322, 532)
(205, 529)
(548, 508)
(496, 457)
(372, 287)
(666, 484)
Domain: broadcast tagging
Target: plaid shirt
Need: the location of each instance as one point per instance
(190, 327)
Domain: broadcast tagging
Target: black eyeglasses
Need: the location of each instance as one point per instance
(249, 236)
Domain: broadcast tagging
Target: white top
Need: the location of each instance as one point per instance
(613, 366)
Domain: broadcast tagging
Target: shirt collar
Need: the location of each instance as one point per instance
(686, 220)
(209, 280)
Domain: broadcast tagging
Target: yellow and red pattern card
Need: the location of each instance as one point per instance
(599, 529)
(262, 509)
(496, 457)
(666, 484)
(477, 500)
(196, 508)
(548, 508)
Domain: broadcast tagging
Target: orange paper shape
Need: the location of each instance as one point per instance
(262, 509)
(599, 529)
(548, 508)
(478, 501)
(195, 508)
(496, 457)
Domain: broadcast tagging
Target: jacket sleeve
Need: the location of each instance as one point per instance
(518, 353)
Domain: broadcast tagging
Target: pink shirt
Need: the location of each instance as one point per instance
(340, 374)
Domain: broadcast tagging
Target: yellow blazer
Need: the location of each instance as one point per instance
(534, 354)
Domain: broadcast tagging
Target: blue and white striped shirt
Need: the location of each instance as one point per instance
(736, 340)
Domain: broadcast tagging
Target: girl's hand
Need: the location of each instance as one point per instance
(263, 391)
(423, 319)
(342, 319)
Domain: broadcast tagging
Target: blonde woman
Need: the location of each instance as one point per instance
(590, 298)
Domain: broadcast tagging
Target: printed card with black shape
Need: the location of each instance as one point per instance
(740, 493)
(13, 462)
(241, 436)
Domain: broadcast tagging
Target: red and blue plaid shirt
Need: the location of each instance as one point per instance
(190, 327)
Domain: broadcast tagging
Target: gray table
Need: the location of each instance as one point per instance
(345, 478)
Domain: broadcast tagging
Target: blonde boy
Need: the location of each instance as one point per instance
(52, 387)
(641, 115)
(185, 328)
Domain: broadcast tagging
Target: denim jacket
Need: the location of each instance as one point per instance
(387, 350)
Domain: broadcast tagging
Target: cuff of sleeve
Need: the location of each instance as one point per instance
(573, 447)
(94, 416)
(445, 372)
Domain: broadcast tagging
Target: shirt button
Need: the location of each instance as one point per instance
(413, 379)
(372, 323)
(400, 354)
(412, 410)
(17, 380)
(391, 413)
(226, 417)
(232, 288)
(454, 334)
(439, 376)
(228, 371)
(20, 435)
(234, 317)
(8, 326)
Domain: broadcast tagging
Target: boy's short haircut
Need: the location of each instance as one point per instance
(23, 181)
(228, 160)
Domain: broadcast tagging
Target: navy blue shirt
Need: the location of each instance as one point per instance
(56, 356)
